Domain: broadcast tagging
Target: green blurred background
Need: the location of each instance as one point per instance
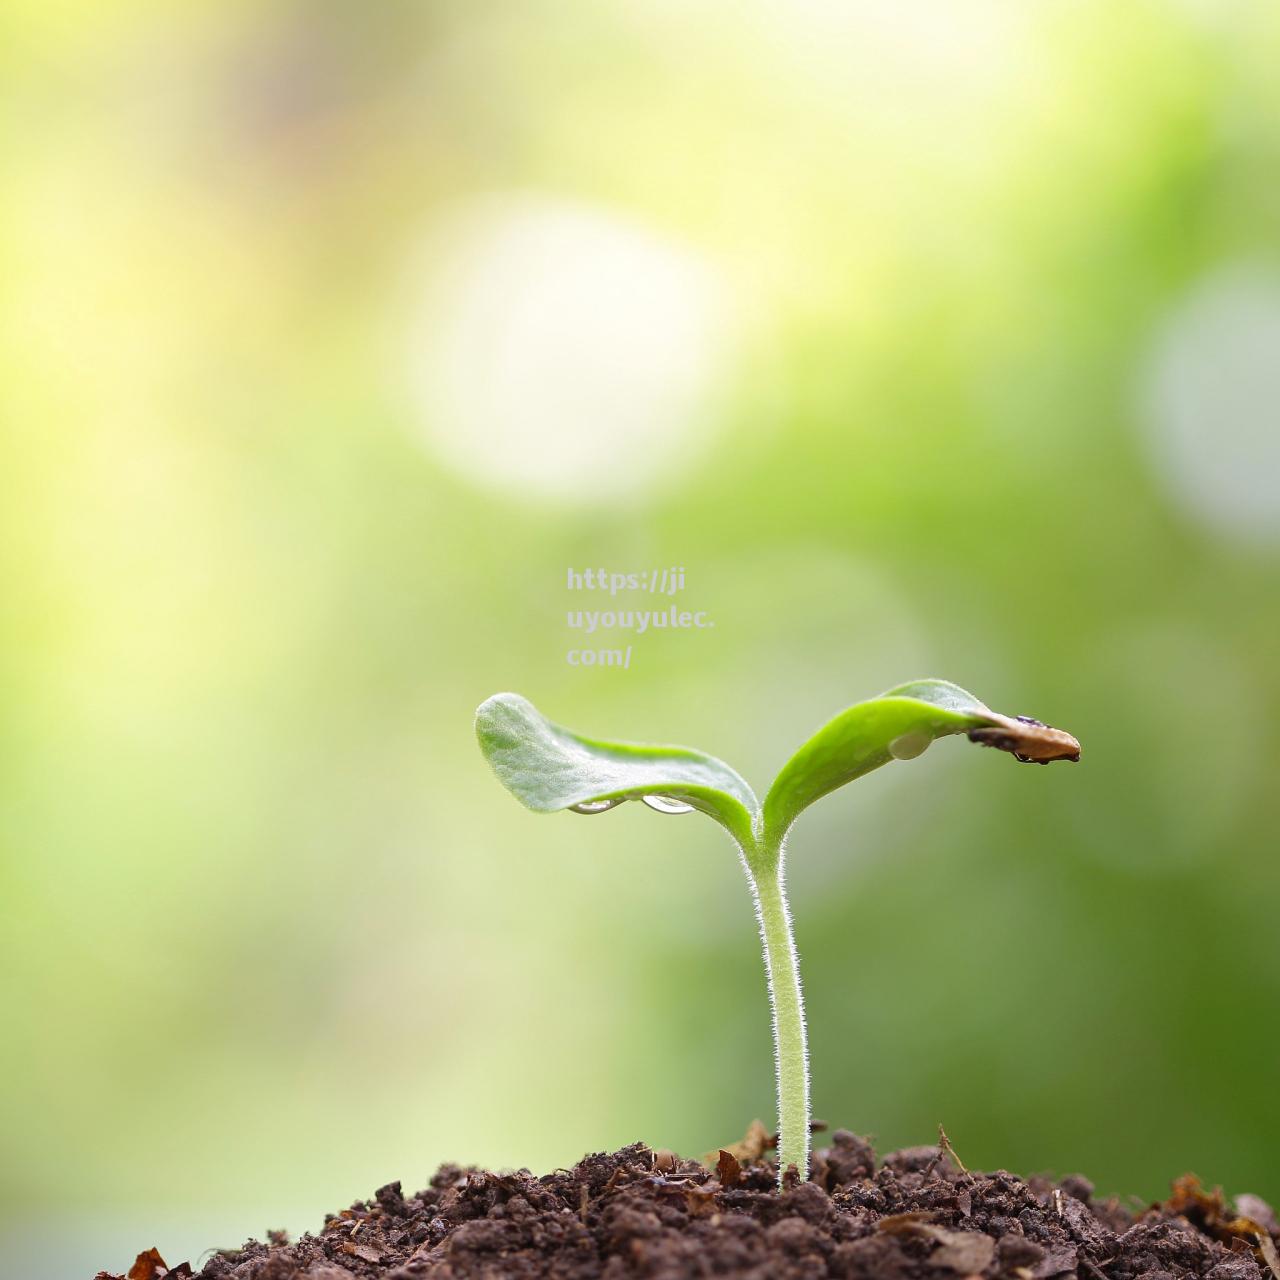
(931, 339)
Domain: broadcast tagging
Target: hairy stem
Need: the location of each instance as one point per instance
(791, 1054)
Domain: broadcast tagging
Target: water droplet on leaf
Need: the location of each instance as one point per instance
(909, 745)
(597, 806)
(665, 804)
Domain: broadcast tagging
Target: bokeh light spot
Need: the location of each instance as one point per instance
(1211, 393)
(563, 352)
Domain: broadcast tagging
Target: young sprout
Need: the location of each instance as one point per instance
(548, 768)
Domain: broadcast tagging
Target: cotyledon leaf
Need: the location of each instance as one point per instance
(548, 767)
(899, 724)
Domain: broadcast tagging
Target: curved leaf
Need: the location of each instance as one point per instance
(899, 724)
(548, 767)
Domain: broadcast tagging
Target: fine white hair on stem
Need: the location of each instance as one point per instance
(766, 877)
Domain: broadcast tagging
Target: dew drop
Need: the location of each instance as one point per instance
(597, 806)
(665, 804)
(909, 745)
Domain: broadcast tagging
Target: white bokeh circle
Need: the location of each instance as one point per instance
(560, 351)
(1210, 391)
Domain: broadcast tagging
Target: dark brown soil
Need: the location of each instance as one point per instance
(640, 1213)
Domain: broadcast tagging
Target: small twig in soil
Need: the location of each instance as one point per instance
(1094, 1269)
(944, 1145)
(1268, 1247)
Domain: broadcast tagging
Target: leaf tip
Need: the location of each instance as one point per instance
(499, 711)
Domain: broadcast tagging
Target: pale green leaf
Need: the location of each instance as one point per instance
(548, 767)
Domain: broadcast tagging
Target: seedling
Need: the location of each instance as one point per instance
(548, 768)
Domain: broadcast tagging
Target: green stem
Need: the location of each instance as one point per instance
(791, 1053)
